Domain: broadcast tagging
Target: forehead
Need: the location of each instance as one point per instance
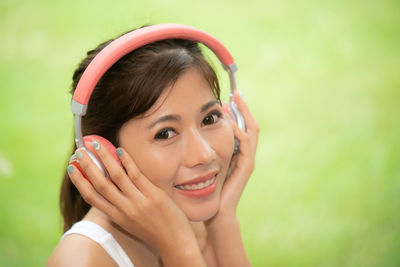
(188, 93)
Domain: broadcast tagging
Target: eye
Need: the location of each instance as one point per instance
(212, 118)
(165, 134)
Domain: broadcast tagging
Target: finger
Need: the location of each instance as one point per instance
(136, 176)
(243, 138)
(251, 123)
(89, 194)
(115, 171)
(106, 188)
(242, 164)
(252, 126)
(249, 138)
(245, 159)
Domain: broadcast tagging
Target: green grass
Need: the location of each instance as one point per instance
(322, 78)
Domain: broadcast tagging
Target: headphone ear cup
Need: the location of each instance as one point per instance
(92, 153)
(74, 161)
(103, 142)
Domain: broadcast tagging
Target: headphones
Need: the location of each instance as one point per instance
(126, 44)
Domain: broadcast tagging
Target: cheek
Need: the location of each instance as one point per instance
(223, 143)
(158, 167)
(154, 162)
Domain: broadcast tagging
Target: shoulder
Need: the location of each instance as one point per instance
(78, 250)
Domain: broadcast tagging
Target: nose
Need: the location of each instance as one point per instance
(197, 150)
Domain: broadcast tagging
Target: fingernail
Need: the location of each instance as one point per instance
(119, 152)
(241, 94)
(70, 169)
(79, 154)
(95, 145)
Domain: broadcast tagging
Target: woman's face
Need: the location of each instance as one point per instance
(184, 145)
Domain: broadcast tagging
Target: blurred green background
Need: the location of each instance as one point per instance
(322, 78)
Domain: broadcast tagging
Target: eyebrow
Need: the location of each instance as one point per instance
(209, 105)
(172, 117)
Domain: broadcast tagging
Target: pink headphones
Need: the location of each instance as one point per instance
(126, 44)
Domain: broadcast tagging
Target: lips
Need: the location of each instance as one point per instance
(200, 186)
(196, 186)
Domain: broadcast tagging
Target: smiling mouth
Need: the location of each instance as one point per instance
(197, 186)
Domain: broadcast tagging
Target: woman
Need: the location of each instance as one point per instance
(173, 197)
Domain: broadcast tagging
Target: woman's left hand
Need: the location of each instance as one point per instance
(242, 164)
(223, 229)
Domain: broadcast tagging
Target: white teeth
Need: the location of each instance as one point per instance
(198, 186)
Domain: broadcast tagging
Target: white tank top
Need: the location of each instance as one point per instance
(104, 238)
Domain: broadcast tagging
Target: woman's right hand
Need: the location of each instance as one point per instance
(138, 206)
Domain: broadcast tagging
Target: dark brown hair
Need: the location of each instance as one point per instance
(127, 90)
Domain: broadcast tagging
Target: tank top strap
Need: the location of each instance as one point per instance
(103, 238)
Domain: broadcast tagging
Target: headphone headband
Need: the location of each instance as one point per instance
(135, 39)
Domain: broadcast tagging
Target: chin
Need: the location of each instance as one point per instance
(203, 212)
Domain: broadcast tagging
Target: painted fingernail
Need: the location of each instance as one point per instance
(70, 169)
(95, 145)
(79, 154)
(119, 152)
